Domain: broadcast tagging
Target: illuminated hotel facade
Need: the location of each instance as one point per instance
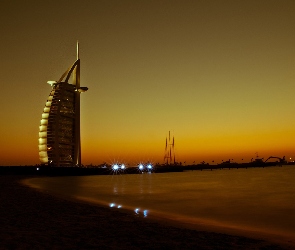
(59, 131)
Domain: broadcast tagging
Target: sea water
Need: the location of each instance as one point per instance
(257, 199)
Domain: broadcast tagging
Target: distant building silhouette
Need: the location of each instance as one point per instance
(59, 131)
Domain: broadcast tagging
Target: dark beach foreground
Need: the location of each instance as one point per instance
(30, 219)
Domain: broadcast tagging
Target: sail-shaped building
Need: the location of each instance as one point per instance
(59, 131)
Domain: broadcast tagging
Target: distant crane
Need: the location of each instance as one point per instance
(169, 156)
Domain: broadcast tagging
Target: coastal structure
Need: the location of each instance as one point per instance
(59, 131)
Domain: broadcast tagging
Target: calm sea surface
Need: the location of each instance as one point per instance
(257, 199)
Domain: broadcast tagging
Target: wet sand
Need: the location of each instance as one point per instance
(30, 219)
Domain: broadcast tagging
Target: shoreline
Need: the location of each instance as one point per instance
(31, 218)
(39, 170)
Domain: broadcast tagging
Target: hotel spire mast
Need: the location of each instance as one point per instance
(77, 155)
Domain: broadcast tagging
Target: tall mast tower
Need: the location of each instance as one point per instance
(169, 156)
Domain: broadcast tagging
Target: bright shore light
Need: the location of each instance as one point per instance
(115, 167)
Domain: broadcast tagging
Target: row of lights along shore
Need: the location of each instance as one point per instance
(136, 210)
(141, 167)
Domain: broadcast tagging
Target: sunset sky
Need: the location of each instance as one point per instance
(220, 75)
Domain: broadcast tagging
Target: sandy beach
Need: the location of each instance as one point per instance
(31, 219)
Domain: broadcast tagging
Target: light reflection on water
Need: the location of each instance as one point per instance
(259, 198)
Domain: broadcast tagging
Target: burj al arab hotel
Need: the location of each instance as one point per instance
(59, 131)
